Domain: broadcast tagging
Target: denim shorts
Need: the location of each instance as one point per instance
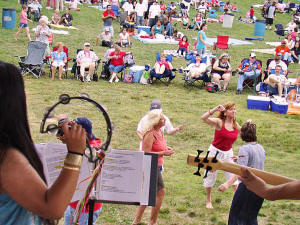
(23, 25)
(115, 69)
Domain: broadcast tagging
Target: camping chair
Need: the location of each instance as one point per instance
(222, 43)
(33, 62)
(65, 68)
(115, 9)
(195, 82)
(166, 77)
(279, 30)
(76, 68)
(251, 83)
(212, 14)
(267, 67)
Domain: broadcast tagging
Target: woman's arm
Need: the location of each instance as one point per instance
(215, 122)
(23, 184)
(152, 32)
(128, 39)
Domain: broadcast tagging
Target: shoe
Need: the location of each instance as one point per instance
(110, 81)
(117, 80)
(88, 78)
(238, 92)
(81, 78)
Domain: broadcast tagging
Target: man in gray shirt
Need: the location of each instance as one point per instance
(108, 16)
(270, 15)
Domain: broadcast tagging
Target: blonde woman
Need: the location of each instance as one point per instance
(221, 70)
(226, 133)
(58, 60)
(154, 142)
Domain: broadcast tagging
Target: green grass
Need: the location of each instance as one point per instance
(127, 103)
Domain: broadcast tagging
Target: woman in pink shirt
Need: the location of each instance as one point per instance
(154, 142)
(23, 23)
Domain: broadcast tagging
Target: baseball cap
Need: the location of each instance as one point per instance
(155, 104)
(106, 29)
(283, 42)
(278, 54)
(86, 44)
(252, 54)
(87, 125)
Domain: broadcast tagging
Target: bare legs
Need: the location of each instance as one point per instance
(154, 211)
(208, 196)
(160, 69)
(217, 78)
(27, 33)
(60, 70)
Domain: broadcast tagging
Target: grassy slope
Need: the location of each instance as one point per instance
(185, 198)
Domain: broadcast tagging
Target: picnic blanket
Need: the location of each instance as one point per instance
(65, 32)
(265, 51)
(63, 27)
(99, 7)
(231, 41)
(257, 5)
(156, 41)
(245, 20)
(273, 43)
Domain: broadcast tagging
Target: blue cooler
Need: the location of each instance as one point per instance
(144, 28)
(260, 28)
(136, 72)
(279, 107)
(258, 102)
(9, 18)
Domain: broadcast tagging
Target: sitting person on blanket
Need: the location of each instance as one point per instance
(185, 22)
(168, 26)
(158, 30)
(248, 69)
(66, 19)
(183, 47)
(73, 5)
(198, 21)
(276, 82)
(162, 68)
(124, 38)
(116, 63)
(86, 59)
(197, 69)
(173, 10)
(221, 70)
(105, 37)
(277, 61)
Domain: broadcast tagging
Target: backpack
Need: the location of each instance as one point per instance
(128, 78)
(212, 87)
(145, 77)
(128, 60)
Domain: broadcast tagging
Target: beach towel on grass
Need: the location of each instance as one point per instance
(63, 27)
(65, 32)
(265, 51)
(156, 41)
(99, 7)
(231, 41)
(277, 43)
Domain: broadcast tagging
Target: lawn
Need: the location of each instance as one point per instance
(184, 202)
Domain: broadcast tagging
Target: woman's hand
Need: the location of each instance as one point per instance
(74, 137)
(168, 152)
(219, 108)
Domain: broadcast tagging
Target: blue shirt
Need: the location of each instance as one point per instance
(158, 30)
(58, 57)
(11, 213)
(200, 45)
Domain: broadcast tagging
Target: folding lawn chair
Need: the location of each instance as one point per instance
(279, 30)
(33, 62)
(115, 9)
(222, 43)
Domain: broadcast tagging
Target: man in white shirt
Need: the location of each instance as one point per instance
(156, 104)
(154, 11)
(277, 61)
(86, 59)
(202, 8)
(128, 7)
(276, 82)
(73, 5)
(140, 10)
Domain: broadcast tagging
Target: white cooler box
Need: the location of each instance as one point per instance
(258, 102)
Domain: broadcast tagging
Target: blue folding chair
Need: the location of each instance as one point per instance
(115, 9)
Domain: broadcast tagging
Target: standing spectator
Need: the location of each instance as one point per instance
(251, 12)
(128, 7)
(140, 10)
(23, 23)
(245, 204)
(270, 15)
(108, 16)
(86, 59)
(73, 5)
(58, 59)
(201, 38)
(42, 33)
(55, 19)
(67, 19)
(105, 37)
(284, 50)
(248, 69)
(202, 8)
(226, 133)
(154, 12)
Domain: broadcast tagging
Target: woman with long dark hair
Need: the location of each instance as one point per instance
(24, 195)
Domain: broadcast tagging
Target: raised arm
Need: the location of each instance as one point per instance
(215, 122)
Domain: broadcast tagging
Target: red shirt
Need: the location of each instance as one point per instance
(251, 12)
(106, 13)
(164, 63)
(185, 45)
(224, 138)
(119, 60)
(282, 50)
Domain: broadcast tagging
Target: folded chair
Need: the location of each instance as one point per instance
(222, 43)
(167, 76)
(33, 62)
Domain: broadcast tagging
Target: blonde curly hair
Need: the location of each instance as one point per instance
(153, 118)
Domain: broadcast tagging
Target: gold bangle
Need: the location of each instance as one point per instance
(71, 168)
(73, 159)
(72, 165)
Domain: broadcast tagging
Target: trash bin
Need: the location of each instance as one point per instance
(228, 20)
(8, 18)
(260, 28)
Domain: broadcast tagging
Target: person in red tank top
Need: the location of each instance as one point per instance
(226, 133)
(154, 142)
